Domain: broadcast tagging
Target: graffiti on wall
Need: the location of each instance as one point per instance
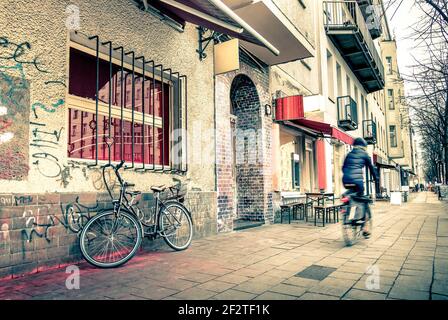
(14, 127)
(15, 61)
(21, 200)
(40, 222)
(98, 180)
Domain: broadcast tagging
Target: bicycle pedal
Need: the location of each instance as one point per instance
(150, 229)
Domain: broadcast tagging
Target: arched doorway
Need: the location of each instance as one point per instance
(247, 164)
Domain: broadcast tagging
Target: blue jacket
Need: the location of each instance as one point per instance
(353, 167)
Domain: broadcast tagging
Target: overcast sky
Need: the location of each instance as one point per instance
(399, 22)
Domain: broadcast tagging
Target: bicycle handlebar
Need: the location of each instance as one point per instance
(174, 189)
(116, 169)
(118, 166)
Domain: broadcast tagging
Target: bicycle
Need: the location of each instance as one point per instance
(112, 237)
(356, 215)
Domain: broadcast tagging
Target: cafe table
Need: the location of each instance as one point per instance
(319, 197)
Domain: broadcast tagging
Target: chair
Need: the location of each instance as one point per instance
(285, 208)
(308, 206)
(298, 210)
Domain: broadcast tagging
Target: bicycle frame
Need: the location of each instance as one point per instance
(123, 202)
(126, 216)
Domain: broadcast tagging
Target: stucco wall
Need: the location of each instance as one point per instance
(40, 26)
(301, 16)
(298, 77)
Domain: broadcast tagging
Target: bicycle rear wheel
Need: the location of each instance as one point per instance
(350, 232)
(109, 240)
(175, 225)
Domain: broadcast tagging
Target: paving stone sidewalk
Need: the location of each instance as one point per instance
(408, 251)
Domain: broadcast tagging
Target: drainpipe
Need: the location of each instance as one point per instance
(232, 15)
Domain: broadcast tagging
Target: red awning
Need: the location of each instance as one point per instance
(326, 129)
(289, 108)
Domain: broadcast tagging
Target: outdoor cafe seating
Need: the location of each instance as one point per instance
(318, 207)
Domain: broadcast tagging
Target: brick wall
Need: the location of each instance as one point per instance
(248, 89)
(38, 231)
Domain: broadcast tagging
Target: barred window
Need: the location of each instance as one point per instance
(141, 113)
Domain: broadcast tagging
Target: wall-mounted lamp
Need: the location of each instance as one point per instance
(268, 110)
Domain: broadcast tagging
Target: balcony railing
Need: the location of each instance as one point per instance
(369, 131)
(347, 113)
(345, 24)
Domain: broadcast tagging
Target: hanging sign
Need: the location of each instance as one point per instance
(226, 56)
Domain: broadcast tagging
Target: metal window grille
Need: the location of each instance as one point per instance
(139, 114)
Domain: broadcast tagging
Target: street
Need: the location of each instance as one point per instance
(406, 258)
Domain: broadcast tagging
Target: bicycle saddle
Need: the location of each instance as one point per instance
(158, 188)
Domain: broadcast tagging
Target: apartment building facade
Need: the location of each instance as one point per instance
(354, 82)
(342, 98)
(401, 139)
(346, 90)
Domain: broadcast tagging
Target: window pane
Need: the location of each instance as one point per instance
(393, 136)
(390, 94)
(82, 83)
(82, 140)
(296, 174)
(389, 64)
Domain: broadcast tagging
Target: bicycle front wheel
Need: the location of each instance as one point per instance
(109, 240)
(175, 225)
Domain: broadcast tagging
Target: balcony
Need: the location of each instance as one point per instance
(371, 16)
(346, 26)
(262, 28)
(369, 131)
(347, 113)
